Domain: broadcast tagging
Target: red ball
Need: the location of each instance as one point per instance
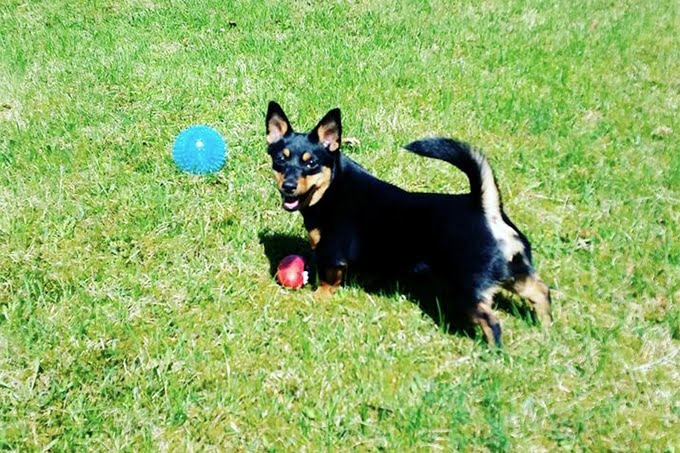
(291, 272)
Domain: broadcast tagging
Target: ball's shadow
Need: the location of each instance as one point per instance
(277, 246)
(425, 290)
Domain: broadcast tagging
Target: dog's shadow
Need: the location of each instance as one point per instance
(423, 289)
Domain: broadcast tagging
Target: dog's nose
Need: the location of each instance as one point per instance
(289, 186)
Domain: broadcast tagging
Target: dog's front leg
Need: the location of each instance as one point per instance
(331, 268)
(330, 279)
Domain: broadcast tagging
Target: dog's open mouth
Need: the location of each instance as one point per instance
(291, 203)
(295, 202)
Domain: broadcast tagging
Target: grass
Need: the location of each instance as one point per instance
(137, 310)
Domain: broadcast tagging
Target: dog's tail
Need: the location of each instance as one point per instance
(483, 186)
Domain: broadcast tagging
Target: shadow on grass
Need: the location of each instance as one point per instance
(277, 246)
(422, 289)
(430, 293)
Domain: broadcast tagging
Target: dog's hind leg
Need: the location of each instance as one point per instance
(482, 314)
(532, 288)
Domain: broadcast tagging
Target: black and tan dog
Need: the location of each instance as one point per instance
(355, 219)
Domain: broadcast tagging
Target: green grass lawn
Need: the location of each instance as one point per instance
(137, 307)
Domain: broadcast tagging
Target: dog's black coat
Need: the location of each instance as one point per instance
(362, 222)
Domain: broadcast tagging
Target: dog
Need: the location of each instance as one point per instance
(355, 219)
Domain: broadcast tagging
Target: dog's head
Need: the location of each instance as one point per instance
(303, 163)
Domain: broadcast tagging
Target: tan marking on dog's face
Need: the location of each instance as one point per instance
(306, 157)
(286, 152)
(315, 185)
(279, 178)
(310, 188)
(314, 237)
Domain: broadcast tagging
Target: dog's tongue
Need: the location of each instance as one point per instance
(291, 204)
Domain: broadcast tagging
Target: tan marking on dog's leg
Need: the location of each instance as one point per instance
(532, 288)
(484, 316)
(314, 237)
(329, 282)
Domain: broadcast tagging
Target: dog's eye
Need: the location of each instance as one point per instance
(280, 159)
(310, 163)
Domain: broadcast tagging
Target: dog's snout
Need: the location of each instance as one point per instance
(289, 186)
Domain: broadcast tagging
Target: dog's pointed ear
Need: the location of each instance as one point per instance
(329, 131)
(278, 125)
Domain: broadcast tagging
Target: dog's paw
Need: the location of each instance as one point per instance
(323, 292)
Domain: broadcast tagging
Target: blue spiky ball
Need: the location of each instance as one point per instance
(199, 150)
